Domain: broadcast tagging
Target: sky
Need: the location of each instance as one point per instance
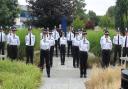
(98, 6)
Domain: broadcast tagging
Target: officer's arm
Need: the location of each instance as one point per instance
(18, 41)
(34, 38)
(88, 46)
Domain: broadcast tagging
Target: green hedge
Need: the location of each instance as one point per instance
(18, 75)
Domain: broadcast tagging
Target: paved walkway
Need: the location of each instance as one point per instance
(63, 77)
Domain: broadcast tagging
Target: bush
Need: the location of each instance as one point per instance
(78, 23)
(18, 75)
(90, 25)
(104, 78)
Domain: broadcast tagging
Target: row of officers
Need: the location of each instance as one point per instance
(78, 47)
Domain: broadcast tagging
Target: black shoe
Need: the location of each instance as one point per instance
(48, 75)
(81, 76)
(85, 76)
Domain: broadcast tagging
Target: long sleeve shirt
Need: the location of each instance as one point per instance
(56, 35)
(84, 45)
(70, 36)
(30, 39)
(63, 41)
(2, 37)
(118, 40)
(44, 44)
(14, 40)
(106, 44)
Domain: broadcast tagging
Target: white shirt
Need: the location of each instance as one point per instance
(70, 36)
(56, 35)
(44, 44)
(14, 40)
(102, 38)
(8, 37)
(3, 36)
(124, 39)
(84, 45)
(115, 40)
(76, 41)
(80, 35)
(51, 41)
(63, 41)
(27, 39)
(106, 43)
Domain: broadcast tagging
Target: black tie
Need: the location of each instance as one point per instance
(118, 39)
(70, 36)
(30, 39)
(1, 36)
(126, 41)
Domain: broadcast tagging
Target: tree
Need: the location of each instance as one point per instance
(105, 21)
(93, 17)
(111, 11)
(49, 12)
(80, 8)
(121, 16)
(8, 12)
(78, 23)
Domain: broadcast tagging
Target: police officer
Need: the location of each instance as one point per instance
(76, 41)
(44, 53)
(118, 42)
(52, 44)
(8, 45)
(2, 41)
(70, 37)
(56, 37)
(125, 44)
(14, 42)
(84, 48)
(63, 42)
(30, 42)
(106, 46)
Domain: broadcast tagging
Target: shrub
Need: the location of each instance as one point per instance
(90, 25)
(18, 75)
(104, 78)
(78, 23)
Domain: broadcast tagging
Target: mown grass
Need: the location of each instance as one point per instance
(104, 78)
(18, 75)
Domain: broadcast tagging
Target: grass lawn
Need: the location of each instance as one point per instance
(18, 75)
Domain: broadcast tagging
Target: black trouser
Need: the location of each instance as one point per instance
(44, 58)
(13, 52)
(8, 51)
(105, 58)
(51, 55)
(29, 54)
(75, 56)
(125, 51)
(69, 48)
(117, 52)
(83, 62)
(56, 47)
(2, 47)
(62, 54)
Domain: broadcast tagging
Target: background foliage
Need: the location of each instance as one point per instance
(8, 12)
